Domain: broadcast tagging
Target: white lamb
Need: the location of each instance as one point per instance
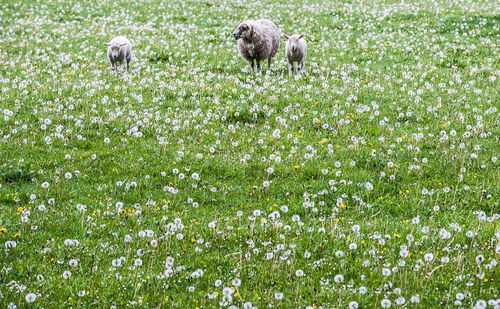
(257, 40)
(295, 51)
(119, 49)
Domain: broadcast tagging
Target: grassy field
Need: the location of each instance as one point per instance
(370, 181)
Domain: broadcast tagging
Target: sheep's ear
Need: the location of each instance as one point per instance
(123, 44)
(301, 36)
(107, 44)
(285, 36)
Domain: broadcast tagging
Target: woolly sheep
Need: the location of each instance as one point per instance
(257, 40)
(295, 51)
(119, 49)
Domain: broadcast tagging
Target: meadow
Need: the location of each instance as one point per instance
(371, 181)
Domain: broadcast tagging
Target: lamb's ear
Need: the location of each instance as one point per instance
(301, 36)
(285, 36)
(107, 44)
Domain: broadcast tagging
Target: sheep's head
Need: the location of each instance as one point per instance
(115, 49)
(294, 40)
(244, 30)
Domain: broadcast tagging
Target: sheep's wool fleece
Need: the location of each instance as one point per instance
(263, 44)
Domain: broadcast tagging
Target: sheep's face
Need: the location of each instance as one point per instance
(115, 50)
(294, 41)
(244, 30)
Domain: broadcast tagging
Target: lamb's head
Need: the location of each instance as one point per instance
(294, 41)
(244, 30)
(115, 49)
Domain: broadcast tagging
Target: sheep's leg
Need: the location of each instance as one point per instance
(251, 66)
(112, 65)
(290, 68)
(301, 66)
(269, 64)
(116, 66)
(128, 65)
(259, 70)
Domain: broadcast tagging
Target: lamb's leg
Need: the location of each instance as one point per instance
(301, 66)
(269, 64)
(251, 66)
(290, 68)
(259, 70)
(128, 65)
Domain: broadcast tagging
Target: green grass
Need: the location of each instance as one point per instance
(389, 142)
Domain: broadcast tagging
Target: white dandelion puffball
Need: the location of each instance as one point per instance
(30, 297)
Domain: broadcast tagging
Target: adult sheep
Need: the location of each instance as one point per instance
(257, 40)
